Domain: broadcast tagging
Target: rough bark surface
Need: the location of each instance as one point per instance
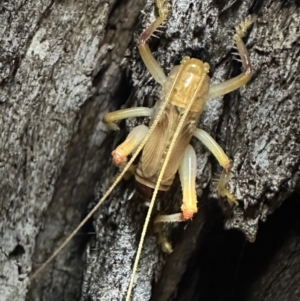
(62, 67)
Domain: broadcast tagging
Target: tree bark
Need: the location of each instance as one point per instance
(62, 68)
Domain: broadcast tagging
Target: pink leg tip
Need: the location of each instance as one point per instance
(118, 157)
(187, 214)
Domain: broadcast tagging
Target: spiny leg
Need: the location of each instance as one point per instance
(243, 78)
(223, 160)
(152, 65)
(110, 118)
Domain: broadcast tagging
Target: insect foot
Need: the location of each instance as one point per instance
(162, 239)
(222, 189)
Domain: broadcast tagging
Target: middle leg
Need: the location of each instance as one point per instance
(110, 118)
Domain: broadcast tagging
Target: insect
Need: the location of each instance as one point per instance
(165, 143)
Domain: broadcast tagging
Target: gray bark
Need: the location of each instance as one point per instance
(62, 67)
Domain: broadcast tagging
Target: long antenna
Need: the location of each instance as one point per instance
(166, 161)
(107, 193)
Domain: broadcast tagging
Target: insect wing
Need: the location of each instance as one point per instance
(177, 152)
(154, 149)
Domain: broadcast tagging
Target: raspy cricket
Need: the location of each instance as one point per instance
(163, 146)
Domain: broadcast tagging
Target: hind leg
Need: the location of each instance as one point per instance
(223, 160)
(240, 80)
(187, 173)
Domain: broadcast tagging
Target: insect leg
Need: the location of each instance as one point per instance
(166, 246)
(244, 77)
(133, 140)
(135, 136)
(110, 118)
(149, 60)
(223, 160)
(187, 174)
(214, 148)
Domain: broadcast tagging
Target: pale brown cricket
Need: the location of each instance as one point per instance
(165, 143)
